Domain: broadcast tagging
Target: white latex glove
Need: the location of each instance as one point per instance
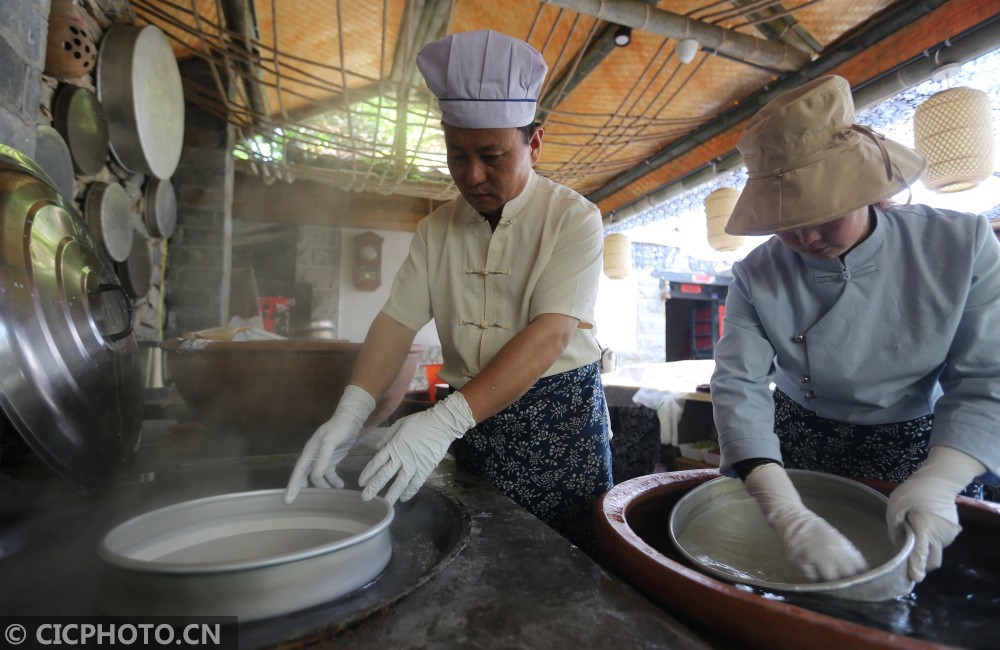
(815, 546)
(330, 443)
(926, 501)
(414, 447)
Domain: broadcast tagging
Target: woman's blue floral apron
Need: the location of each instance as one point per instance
(887, 452)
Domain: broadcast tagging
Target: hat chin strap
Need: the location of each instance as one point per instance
(878, 139)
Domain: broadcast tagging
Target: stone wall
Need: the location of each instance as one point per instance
(199, 270)
(318, 252)
(23, 34)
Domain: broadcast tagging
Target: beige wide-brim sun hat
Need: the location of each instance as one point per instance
(809, 163)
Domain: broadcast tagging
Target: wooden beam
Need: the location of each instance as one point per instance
(306, 202)
(947, 21)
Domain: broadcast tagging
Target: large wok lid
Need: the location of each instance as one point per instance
(70, 378)
(139, 85)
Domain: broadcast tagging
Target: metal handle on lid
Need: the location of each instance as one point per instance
(117, 336)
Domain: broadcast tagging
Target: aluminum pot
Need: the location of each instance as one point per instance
(108, 211)
(136, 272)
(53, 155)
(246, 554)
(720, 529)
(139, 84)
(159, 208)
(80, 120)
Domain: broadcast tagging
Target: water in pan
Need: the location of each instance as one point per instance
(744, 548)
(956, 605)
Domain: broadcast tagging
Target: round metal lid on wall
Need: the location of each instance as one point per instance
(108, 210)
(70, 376)
(53, 155)
(136, 272)
(79, 117)
(139, 85)
(160, 208)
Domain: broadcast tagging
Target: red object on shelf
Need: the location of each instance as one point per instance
(277, 313)
(431, 370)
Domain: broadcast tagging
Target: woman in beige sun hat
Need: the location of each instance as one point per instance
(879, 327)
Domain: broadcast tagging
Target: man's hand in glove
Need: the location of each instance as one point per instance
(330, 443)
(926, 501)
(811, 543)
(414, 447)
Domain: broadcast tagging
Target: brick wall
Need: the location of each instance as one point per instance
(23, 34)
(318, 263)
(199, 267)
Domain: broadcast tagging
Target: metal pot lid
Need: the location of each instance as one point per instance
(109, 214)
(80, 119)
(139, 85)
(160, 210)
(136, 272)
(70, 377)
(54, 157)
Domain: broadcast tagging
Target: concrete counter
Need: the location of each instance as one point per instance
(515, 583)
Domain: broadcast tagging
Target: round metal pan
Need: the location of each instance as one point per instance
(720, 529)
(246, 554)
(80, 120)
(53, 155)
(136, 272)
(160, 208)
(108, 212)
(139, 85)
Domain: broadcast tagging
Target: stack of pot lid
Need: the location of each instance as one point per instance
(160, 211)
(53, 156)
(80, 119)
(139, 85)
(136, 272)
(70, 377)
(109, 214)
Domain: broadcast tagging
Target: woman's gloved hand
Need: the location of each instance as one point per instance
(926, 501)
(330, 443)
(414, 447)
(815, 546)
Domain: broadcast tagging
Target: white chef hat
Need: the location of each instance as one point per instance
(483, 79)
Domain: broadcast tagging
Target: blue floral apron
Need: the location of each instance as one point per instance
(549, 451)
(887, 452)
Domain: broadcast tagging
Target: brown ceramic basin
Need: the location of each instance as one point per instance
(631, 527)
(279, 390)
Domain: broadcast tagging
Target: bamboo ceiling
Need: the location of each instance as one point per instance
(320, 85)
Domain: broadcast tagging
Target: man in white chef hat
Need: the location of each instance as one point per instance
(509, 273)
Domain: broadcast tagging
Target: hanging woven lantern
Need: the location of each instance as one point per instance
(617, 256)
(953, 130)
(718, 207)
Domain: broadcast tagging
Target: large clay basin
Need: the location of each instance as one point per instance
(636, 511)
(275, 392)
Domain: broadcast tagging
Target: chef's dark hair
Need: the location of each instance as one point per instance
(527, 130)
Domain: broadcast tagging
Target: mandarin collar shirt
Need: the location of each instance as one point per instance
(908, 324)
(482, 287)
